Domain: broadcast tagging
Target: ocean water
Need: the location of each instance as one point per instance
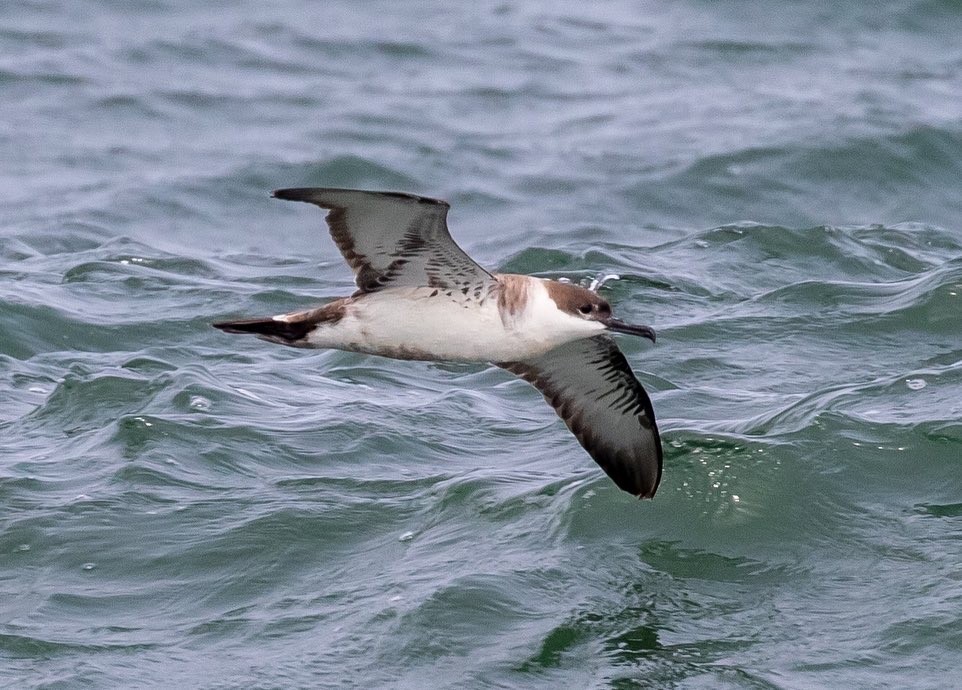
(778, 186)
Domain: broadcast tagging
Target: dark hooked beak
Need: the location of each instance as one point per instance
(619, 326)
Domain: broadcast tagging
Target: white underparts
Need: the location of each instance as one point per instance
(432, 324)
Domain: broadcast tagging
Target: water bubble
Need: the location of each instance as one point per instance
(915, 384)
(597, 283)
(23, 547)
(407, 536)
(89, 566)
(200, 403)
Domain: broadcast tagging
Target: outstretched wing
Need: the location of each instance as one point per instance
(391, 239)
(592, 388)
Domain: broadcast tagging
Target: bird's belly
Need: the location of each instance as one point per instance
(419, 326)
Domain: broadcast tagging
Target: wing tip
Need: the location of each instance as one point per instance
(315, 195)
(641, 487)
(649, 494)
(650, 488)
(291, 193)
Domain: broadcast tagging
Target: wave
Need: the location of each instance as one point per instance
(861, 179)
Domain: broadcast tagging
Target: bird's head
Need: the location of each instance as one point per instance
(588, 306)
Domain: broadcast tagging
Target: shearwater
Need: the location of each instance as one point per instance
(420, 297)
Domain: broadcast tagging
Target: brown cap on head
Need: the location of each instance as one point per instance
(579, 301)
(576, 300)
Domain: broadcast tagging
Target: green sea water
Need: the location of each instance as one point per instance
(779, 188)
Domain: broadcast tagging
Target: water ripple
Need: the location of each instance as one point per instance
(777, 191)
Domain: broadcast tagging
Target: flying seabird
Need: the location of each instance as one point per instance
(420, 297)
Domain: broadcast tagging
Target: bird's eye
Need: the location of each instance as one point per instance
(585, 309)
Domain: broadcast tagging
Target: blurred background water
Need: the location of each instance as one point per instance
(778, 186)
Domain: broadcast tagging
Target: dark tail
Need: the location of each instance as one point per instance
(283, 332)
